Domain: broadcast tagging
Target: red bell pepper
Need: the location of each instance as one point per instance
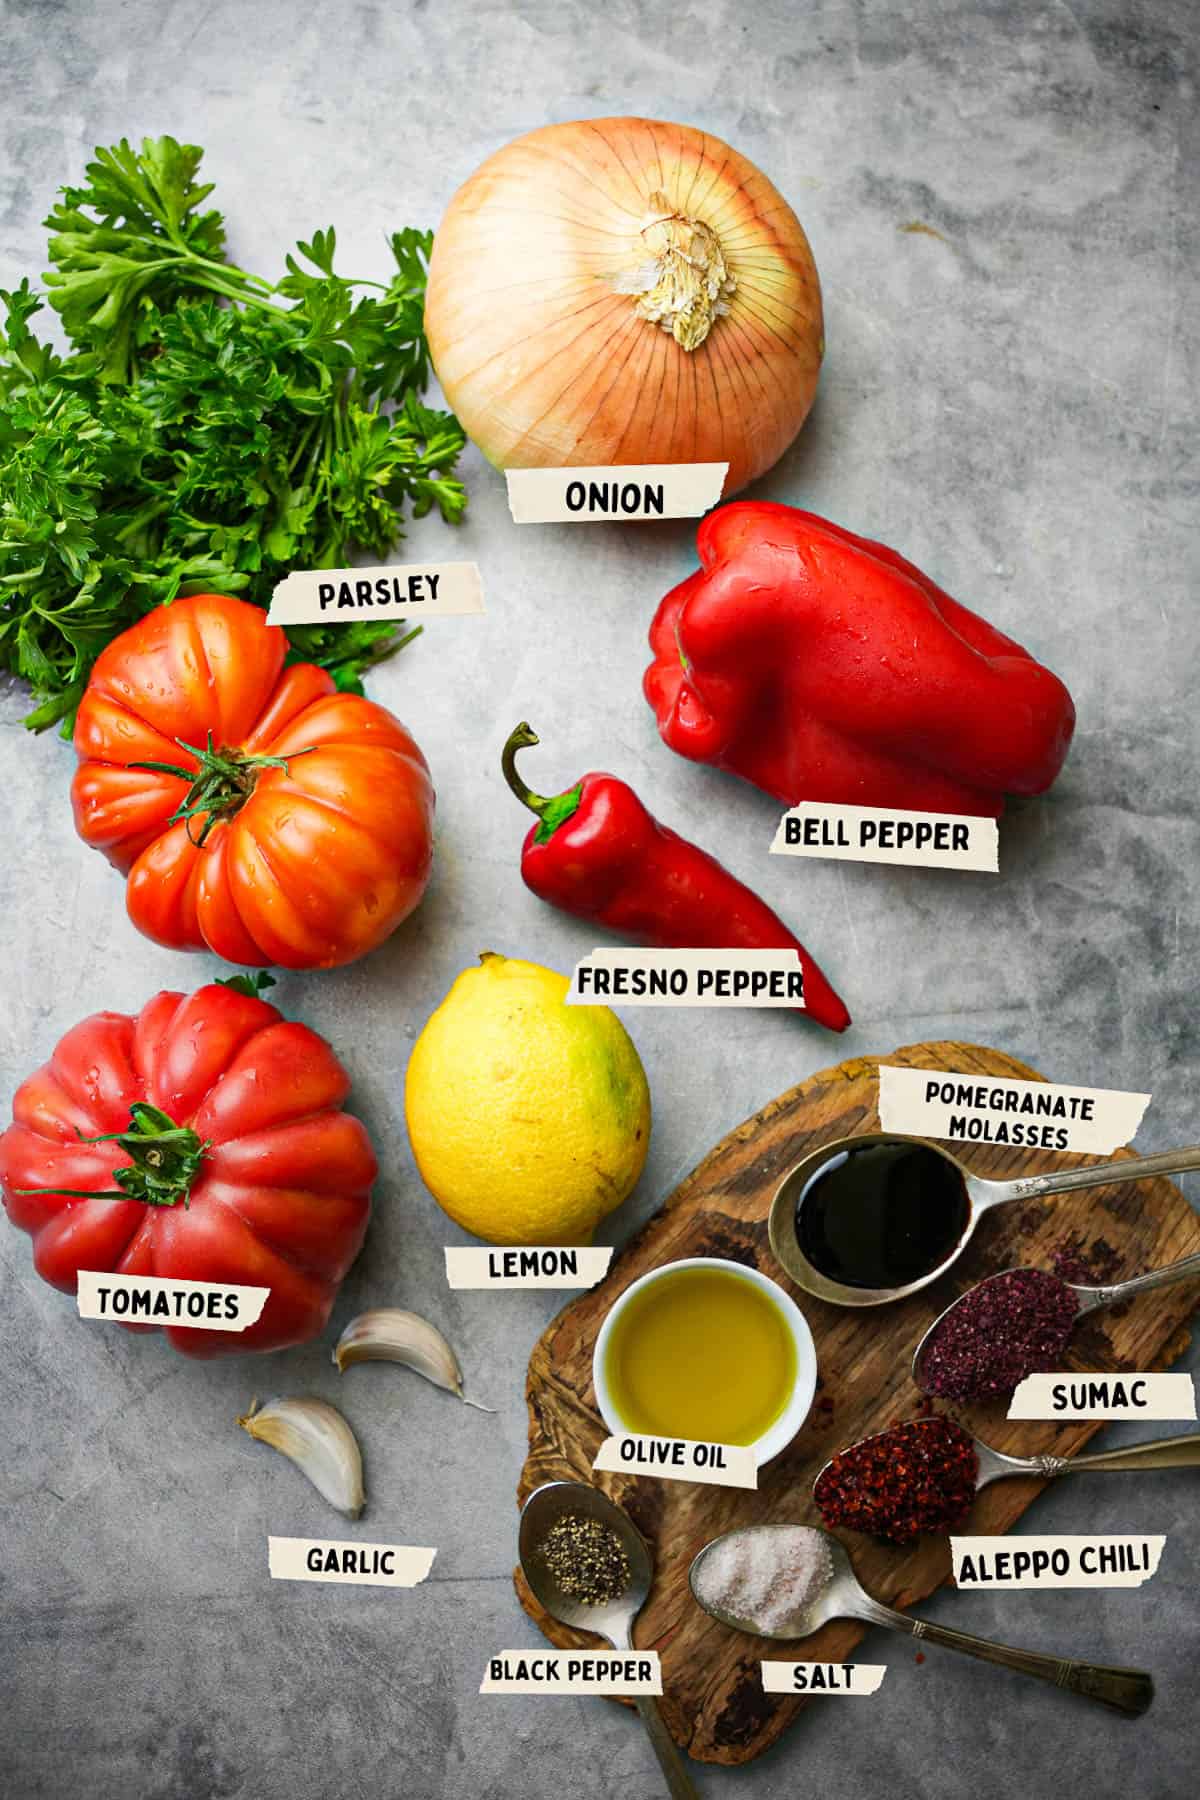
(597, 853)
(821, 666)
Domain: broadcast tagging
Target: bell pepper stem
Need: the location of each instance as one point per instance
(551, 810)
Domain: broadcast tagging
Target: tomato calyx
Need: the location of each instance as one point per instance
(221, 783)
(251, 985)
(166, 1159)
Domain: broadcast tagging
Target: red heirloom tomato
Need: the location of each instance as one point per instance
(223, 1122)
(253, 808)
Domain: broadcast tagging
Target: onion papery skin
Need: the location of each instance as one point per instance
(548, 365)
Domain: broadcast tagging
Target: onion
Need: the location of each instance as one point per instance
(622, 291)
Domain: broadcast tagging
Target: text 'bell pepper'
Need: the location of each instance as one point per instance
(597, 853)
(821, 666)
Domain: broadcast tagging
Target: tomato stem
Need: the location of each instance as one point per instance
(166, 1160)
(253, 985)
(221, 783)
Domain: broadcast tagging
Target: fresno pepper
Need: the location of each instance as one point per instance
(596, 852)
(821, 666)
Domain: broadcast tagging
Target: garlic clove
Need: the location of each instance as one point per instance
(319, 1441)
(389, 1334)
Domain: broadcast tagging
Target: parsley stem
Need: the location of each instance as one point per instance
(153, 509)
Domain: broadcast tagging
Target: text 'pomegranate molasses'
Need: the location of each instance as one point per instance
(881, 1215)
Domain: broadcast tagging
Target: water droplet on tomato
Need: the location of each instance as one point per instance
(371, 902)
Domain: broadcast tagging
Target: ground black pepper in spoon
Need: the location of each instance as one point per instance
(613, 1618)
(586, 1558)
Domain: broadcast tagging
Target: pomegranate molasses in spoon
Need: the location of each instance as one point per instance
(869, 1219)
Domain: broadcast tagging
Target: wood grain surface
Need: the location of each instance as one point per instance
(713, 1699)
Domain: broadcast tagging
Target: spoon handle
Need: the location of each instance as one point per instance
(1182, 1452)
(1141, 1284)
(679, 1783)
(1128, 1691)
(1064, 1181)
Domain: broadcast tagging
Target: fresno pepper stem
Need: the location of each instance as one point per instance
(553, 810)
(520, 739)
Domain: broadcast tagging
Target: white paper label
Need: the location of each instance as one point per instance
(159, 1300)
(882, 834)
(822, 1678)
(573, 1672)
(633, 491)
(412, 591)
(1054, 1562)
(538, 1266)
(679, 1459)
(1150, 1396)
(361, 1565)
(988, 1109)
(688, 978)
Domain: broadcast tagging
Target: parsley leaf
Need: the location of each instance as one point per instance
(207, 430)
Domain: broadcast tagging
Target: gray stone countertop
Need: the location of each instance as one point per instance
(1009, 399)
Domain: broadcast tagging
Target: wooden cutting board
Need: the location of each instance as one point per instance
(712, 1699)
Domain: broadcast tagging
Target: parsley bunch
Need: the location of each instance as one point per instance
(207, 430)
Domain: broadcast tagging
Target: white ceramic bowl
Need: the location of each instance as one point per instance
(797, 1409)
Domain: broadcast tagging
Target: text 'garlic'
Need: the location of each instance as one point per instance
(389, 1334)
(320, 1443)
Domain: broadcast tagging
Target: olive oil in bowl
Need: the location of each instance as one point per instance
(703, 1351)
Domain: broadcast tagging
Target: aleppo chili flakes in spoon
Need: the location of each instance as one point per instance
(914, 1477)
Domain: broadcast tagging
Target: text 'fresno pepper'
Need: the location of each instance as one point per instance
(821, 666)
(597, 853)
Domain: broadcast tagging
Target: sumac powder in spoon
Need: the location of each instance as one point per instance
(915, 1477)
(1012, 1325)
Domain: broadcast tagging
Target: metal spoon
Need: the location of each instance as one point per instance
(1091, 1299)
(1127, 1691)
(981, 1195)
(1181, 1452)
(612, 1621)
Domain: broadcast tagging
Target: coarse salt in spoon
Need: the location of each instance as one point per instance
(814, 1582)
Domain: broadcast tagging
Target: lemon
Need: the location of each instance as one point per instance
(529, 1119)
